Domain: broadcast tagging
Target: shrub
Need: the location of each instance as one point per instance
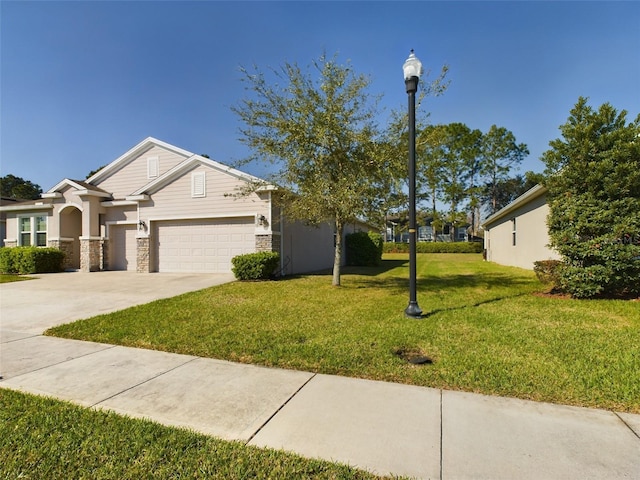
(435, 247)
(255, 266)
(618, 277)
(7, 260)
(26, 260)
(364, 249)
(593, 180)
(547, 271)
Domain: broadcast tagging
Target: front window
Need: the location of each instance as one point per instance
(41, 231)
(25, 231)
(33, 231)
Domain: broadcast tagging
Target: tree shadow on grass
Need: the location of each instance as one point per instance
(451, 282)
(495, 288)
(385, 266)
(477, 304)
(397, 283)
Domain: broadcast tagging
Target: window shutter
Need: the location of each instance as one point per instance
(198, 187)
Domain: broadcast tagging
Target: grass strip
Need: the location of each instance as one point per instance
(8, 278)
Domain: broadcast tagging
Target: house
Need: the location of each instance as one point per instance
(159, 208)
(517, 235)
(426, 231)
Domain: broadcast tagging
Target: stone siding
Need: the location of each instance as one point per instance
(90, 255)
(268, 243)
(142, 255)
(66, 246)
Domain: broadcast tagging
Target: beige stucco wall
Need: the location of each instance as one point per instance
(309, 249)
(531, 232)
(305, 248)
(11, 227)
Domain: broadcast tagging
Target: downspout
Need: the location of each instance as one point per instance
(282, 240)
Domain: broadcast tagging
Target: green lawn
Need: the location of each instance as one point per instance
(4, 278)
(486, 330)
(47, 439)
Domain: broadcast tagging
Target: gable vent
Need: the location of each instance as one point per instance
(153, 167)
(198, 186)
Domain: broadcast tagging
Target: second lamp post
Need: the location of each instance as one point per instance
(412, 70)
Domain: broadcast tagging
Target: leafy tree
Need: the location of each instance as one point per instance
(500, 154)
(318, 129)
(428, 178)
(459, 151)
(93, 172)
(16, 187)
(507, 190)
(430, 166)
(593, 180)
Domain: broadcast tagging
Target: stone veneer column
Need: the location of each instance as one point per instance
(66, 246)
(264, 243)
(105, 254)
(142, 255)
(268, 243)
(90, 254)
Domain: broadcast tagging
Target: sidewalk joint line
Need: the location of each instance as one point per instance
(279, 408)
(143, 382)
(108, 347)
(627, 425)
(23, 338)
(441, 434)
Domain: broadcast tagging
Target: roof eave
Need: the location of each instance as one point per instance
(526, 197)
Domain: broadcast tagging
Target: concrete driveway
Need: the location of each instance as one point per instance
(53, 299)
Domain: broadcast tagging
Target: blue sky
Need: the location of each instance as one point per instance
(82, 82)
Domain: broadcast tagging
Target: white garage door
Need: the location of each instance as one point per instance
(123, 247)
(202, 245)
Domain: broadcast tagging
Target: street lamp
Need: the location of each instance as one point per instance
(412, 70)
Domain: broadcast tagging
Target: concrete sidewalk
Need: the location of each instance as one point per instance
(382, 427)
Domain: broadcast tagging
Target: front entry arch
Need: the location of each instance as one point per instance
(70, 232)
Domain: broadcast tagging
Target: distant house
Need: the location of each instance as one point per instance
(517, 235)
(426, 232)
(159, 208)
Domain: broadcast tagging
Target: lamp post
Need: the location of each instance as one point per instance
(412, 70)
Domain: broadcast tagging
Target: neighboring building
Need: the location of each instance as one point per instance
(517, 235)
(159, 208)
(426, 232)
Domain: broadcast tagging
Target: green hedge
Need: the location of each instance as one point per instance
(26, 260)
(364, 249)
(255, 266)
(435, 247)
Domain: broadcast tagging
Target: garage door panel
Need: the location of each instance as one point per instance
(202, 246)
